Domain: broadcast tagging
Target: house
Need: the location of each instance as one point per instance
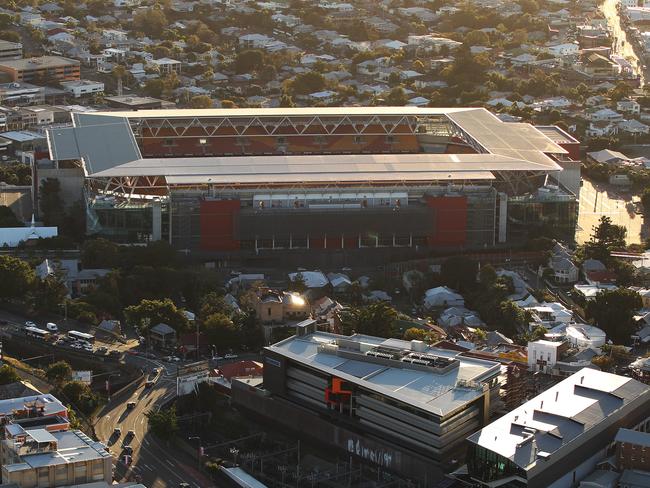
(628, 106)
(442, 296)
(564, 270)
(78, 281)
(601, 128)
(162, 336)
(326, 96)
(589, 292)
(604, 114)
(564, 49)
(340, 283)
(166, 65)
(593, 265)
(633, 127)
(460, 316)
(607, 156)
(600, 277)
(549, 315)
(277, 307)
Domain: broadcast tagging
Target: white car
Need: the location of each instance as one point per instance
(29, 323)
(231, 356)
(52, 327)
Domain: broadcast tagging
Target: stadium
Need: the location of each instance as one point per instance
(391, 181)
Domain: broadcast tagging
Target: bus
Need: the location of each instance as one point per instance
(36, 332)
(81, 336)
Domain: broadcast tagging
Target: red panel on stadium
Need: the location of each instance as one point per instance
(218, 218)
(450, 221)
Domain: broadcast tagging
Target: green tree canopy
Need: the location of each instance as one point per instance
(249, 60)
(613, 311)
(100, 253)
(309, 82)
(396, 97)
(221, 331)
(605, 238)
(152, 312)
(163, 423)
(51, 202)
(376, 319)
(8, 375)
(201, 101)
(48, 294)
(9, 219)
(16, 277)
(151, 21)
(80, 395)
(59, 373)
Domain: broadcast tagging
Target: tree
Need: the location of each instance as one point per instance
(48, 294)
(163, 423)
(119, 72)
(221, 331)
(480, 335)
(613, 311)
(487, 276)
(16, 277)
(51, 203)
(298, 284)
(152, 312)
(513, 318)
(605, 363)
(309, 82)
(150, 21)
(9, 219)
(605, 238)
(100, 253)
(459, 273)
(538, 333)
(645, 201)
(213, 303)
(396, 97)
(376, 319)
(80, 395)
(154, 87)
(201, 101)
(8, 375)
(59, 373)
(249, 60)
(11, 36)
(416, 334)
(287, 101)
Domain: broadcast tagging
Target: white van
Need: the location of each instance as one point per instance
(51, 326)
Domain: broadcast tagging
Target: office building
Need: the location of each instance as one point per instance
(36, 457)
(41, 70)
(556, 439)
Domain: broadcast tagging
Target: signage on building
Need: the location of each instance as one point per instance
(83, 376)
(381, 457)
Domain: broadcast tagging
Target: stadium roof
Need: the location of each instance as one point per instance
(106, 144)
(559, 416)
(438, 392)
(323, 168)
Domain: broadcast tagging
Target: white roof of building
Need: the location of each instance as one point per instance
(440, 393)
(502, 146)
(559, 416)
(312, 279)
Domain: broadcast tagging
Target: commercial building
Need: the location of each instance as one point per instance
(10, 50)
(404, 406)
(37, 457)
(42, 70)
(81, 88)
(346, 182)
(556, 439)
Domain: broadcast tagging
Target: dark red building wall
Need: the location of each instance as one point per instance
(218, 220)
(450, 221)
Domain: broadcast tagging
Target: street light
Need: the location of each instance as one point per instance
(200, 448)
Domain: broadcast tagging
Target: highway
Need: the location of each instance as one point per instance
(155, 463)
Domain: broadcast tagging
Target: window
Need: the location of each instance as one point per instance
(390, 139)
(281, 140)
(358, 140)
(203, 141)
(269, 311)
(168, 142)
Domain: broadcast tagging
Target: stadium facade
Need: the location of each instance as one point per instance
(253, 182)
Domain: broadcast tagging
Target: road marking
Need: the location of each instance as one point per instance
(170, 463)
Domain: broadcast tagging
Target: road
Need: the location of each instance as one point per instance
(621, 44)
(158, 466)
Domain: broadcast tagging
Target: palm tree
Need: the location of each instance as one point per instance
(118, 73)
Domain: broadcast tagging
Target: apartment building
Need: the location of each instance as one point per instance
(42, 70)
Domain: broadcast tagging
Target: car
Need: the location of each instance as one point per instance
(231, 356)
(117, 431)
(29, 323)
(175, 359)
(52, 327)
(148, 383)
(183, 484)
(101, 350)
(167, 359)
(128, 449)
(130, 405)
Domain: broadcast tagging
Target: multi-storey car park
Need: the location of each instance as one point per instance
(253, 182)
